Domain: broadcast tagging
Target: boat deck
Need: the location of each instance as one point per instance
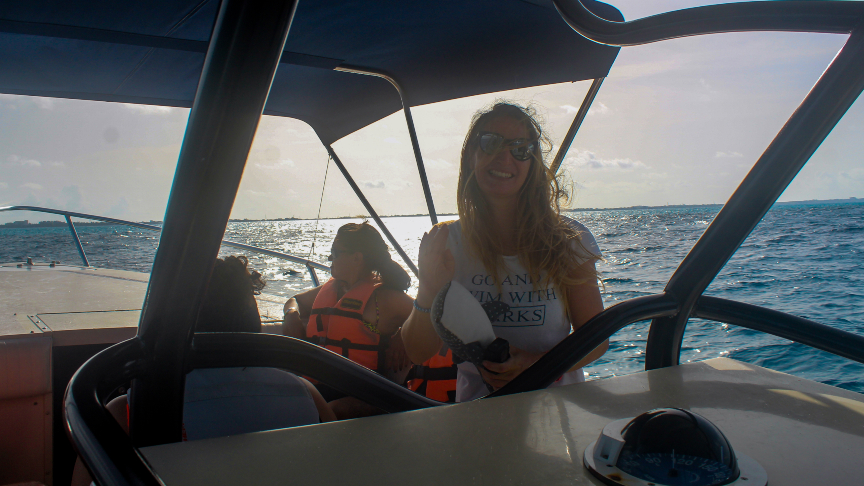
(99, 305)
(538, 438)
(52, 319)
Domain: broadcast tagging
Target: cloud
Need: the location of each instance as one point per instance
(58, 164)
(40, 102)
(374, 184)
(111, 134)
(72, 197)
(120, 208)
(281, 164)
(728, 155)
(855, 174)
(3, 185)
(709, 92)
(22, 162)
(440, 165)
(598, 109)
(589, 160)
(148, 109)
(43, 103)
(390, 185)
(570, 109)
(32, 185)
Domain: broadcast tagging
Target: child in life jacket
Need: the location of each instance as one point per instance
(357, 313)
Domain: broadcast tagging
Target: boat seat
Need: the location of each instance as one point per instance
(229, 401)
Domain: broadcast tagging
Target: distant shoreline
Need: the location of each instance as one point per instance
(812, 202)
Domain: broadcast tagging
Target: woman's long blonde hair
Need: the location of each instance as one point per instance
(544, 242)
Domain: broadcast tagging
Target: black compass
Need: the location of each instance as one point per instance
(669, 447)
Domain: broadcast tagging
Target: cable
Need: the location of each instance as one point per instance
(320, 202)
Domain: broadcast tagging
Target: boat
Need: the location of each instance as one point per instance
(342, 67)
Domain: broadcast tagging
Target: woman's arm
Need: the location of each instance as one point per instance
(395, 308)
(325, 413)
(296, 313)
(585, 302)
(437, 267)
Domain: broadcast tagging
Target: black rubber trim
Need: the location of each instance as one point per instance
(780, 324)
(582, 341)
(837, 17)
(226, 350)
(106, 450)
(109, 453)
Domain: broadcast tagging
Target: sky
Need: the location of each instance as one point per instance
(676, 122)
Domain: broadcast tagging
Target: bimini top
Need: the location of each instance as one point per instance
(152, 52)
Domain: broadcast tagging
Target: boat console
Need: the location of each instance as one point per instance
(541, 437)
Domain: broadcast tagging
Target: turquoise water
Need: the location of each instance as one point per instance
(805, 260)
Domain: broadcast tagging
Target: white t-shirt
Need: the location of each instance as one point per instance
(536, 320)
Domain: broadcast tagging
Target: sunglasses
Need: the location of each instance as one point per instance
(334, 254)
(520, 148)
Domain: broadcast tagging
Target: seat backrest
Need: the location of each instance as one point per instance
(229, 401)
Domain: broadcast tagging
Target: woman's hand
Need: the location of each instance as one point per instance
(292, 323)
(395, 358)
(503, 373)
(436, 263)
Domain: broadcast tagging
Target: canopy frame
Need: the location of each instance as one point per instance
(412, 132)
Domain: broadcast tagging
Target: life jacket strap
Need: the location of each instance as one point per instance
(345, 344)
(332, 311)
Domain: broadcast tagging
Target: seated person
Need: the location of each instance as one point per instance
(230, 306)
(228, 401)
(358, 312)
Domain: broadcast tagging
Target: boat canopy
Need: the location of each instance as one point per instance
(152, 52)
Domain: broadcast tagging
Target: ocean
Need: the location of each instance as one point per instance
(803, 259)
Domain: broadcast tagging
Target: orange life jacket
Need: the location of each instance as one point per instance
(436, 378)
(337, 324)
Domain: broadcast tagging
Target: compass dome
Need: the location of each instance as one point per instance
(683, 444)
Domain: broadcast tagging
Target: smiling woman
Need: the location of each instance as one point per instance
(510, 245)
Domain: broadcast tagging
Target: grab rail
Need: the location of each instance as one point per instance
(834, 17)
(583, 340)
(310, 265)
(110, 454)
(787, 326)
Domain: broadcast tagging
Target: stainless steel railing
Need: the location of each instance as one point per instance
(309, 264)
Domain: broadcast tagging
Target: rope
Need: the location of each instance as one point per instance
(315, 232)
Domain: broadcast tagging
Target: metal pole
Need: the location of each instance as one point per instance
(150, 227)
(415, 143)
(314, 275)
(827, 102)
(77, 241)
(245, 46)
(577, 122)
(372, 212)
